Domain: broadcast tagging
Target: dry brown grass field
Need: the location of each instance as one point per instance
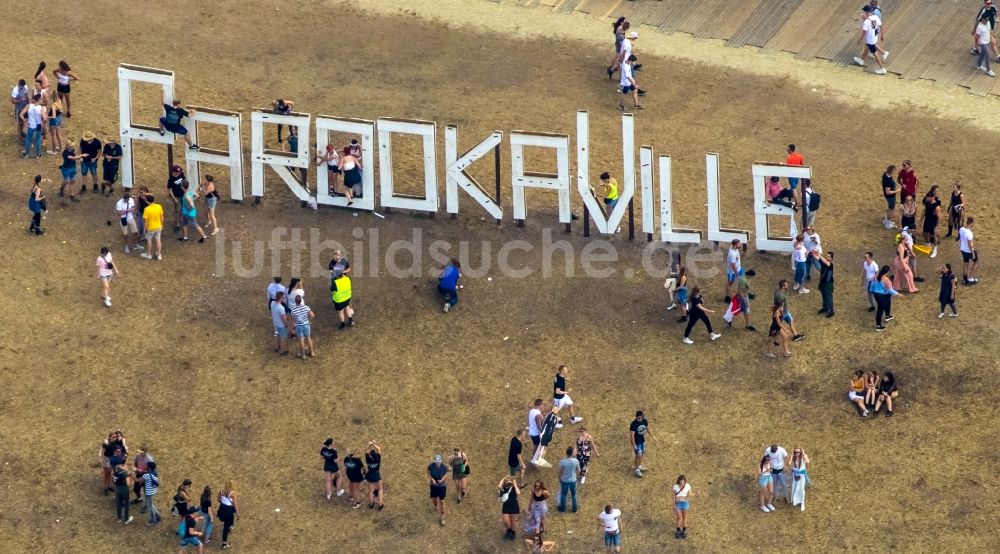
(183, 363)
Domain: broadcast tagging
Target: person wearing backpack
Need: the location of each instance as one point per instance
(811, 201)
(189, 533)
(151, 483)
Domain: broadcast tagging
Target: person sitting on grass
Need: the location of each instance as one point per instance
(856, 392)
(887, 391)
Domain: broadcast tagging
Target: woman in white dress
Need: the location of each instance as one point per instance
(800, 479)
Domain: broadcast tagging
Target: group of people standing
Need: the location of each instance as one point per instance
(357, 471)
(143, 480)
(39, 114)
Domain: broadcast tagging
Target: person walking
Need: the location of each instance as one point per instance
(781, 299)
(140, 465)
(181, 499)
(871, 25)
(569, 472)
(638, 430)
(984, 38)
(814, 247)
(341, 296)
(699, 312)
(152, 218)
(106, 269)
(743, 298)
(890, 191)
(560, 394)
(585, 448)
(509, 507)
(538, 508)
(19, 99)
(36, 205)
(535, 419)
(189, 533)
(460, 471)
(354, 467)
(776, 456)
(34, 116)
(970, 257)
(618, 28)
(448, 283)
(90, 149)
(515, 458)
(826, 283)
(611, 524)
(680, 293)
(331, 471)
(949, 287)
(883, 291)
(173, 116)
(437, 478)
(302, 315)
(122, 481)
(548, 426)
(373, 459)
(205, 507)
(931, 218)
(682, 493)
(125, 209)
(189, 214)
(111, 156)
(228, 512)
(800, 478)
(990, 11)
(628, 84)
(777, 334)
(734, 268)
(765, 485)
(211, 194)
(151, 485)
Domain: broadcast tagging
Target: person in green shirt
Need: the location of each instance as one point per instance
(743, 295)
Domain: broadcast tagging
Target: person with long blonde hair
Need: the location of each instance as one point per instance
(55, 128)
(228, 511)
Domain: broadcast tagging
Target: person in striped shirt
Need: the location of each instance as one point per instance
(302, 316)
(151, 483)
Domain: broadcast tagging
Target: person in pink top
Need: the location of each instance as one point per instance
(776, 194)
(105, 271)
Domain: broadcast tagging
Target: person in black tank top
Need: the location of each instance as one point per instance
(373, 459)
(932, 216)
(956, 209)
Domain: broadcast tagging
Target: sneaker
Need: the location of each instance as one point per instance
(340, 492)
(981, 67)
(934, 252)
(183, 239)
(881, 71)
(672, 306)
(952, 315)
(771, 355)
(575, 420)
(727, 299)
(871, 309)
(447, 307)
(974, 52)
(107, 301)
(885, 55)
(798, 337)
(193, 147)
(991, 73)
(771, 507)
(859, 61)
(879, 328)
(687, 341)
(803, 290)
(795, 286)
(543, 463)
(140, 248)
(159, 257)
(559, 425)
(715, 336)
(202, 239)
(682, 319)
(941, 315)
(329, 496)
(128, 250)
(889, 318)
(162, 132)
(638, 473)
(751, 328)
(611, 73)
(129, 520)
(583, 479)
(764, 509)
(865, 413)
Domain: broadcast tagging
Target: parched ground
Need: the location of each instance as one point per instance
(183, 363)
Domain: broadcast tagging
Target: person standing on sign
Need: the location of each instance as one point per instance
(637, 431)
(610, 192)
(341, 289)
(331, 158)
(171, 121)
(351, 166)
(793, 158)
(283, 107)
(448, 283)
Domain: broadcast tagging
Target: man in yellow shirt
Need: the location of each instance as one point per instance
(153, 218)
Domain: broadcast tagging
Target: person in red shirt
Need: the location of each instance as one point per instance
(908, 179)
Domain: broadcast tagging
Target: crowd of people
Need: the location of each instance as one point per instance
(142, 479)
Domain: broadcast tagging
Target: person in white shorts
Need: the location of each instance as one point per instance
(560, 395)
(126, 217)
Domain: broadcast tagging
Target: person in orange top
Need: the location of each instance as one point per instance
(153, 218)
(794, 158)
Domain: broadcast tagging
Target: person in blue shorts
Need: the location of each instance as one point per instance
(171, 121)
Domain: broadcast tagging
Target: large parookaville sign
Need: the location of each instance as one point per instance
(380, 132)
